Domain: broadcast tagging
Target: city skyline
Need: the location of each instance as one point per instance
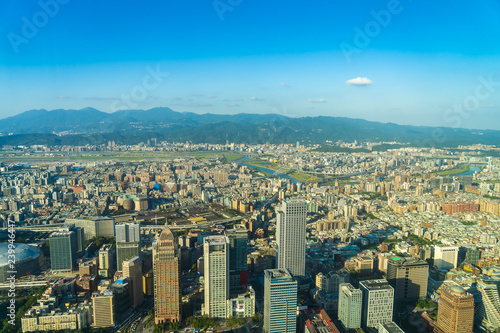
(397, 61)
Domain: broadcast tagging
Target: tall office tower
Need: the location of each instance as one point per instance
(445, 256)
(79, 235)
(103, 306)
(132, 270)
(455, 310)
(128, 242)
(280, 301)
(291, 236)
(350, 305)
(216, 276)
(378, 302)
(107, 260)
(167, 278)
(238, 247)
(62, 250)
(408, 277)
(488, 310)
(122, 293)
(128, 232)
(125, 251)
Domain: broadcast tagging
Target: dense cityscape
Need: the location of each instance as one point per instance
(187, 237)
(249, 166)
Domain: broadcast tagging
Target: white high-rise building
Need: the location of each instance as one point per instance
(445, 256)
(128, 232)
(216, 276)
(378, 303)
(291, 236)
(350, 305)
(488, 310)
(280, 301)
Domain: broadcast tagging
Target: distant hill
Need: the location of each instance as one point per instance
(91, 126)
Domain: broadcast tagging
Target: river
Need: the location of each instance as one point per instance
(279, 175)
(473, 168)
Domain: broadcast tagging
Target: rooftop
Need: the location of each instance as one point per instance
(278, 273)
(391, 327)
(375, 285)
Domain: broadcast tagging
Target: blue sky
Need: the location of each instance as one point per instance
(425, 60)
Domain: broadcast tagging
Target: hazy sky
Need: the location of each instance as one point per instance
(409, 62)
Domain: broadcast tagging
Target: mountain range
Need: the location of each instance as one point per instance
(91, 126)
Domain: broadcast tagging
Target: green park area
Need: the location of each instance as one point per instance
(455, 171)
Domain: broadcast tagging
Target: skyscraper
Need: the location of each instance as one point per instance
(128, 232)
(216, 276)
(350, 305)
(79, 235)
(125, 251)
(128, 242)
(167, 279)
(455, 310)
(238, 247)
(291, 236)
(378, 302)
(408, 277)
(280, 301)
(132, 270)
(62, 250)
(488, 310)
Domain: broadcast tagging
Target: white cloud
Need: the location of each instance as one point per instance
(284, 84)
(317, 100)
(359, 81)
(253, 98)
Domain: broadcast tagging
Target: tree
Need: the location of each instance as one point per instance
(159, 328)
(174, 326)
